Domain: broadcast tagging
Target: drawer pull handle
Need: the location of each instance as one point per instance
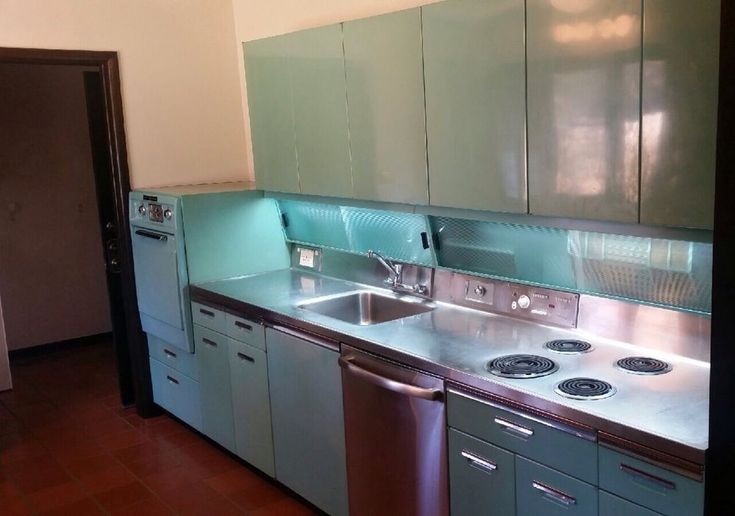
(525, 432)
(169, 353)
(666, 484)
(243, 356)
(479, 462)
(243, 326)
(172, 380)
(554, 493)
(208, 313)
(209, 342)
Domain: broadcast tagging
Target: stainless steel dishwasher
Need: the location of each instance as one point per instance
(395, 431)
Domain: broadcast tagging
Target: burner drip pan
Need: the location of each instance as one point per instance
(521, 366)
(584, 389)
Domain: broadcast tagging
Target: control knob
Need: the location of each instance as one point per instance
(168, 214)
(524, 301)
(480, 290)
(141, 209)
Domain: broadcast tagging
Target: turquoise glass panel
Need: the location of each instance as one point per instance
(395, 235)
(672, 273)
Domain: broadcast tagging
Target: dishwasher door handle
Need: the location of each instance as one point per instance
(392, 385)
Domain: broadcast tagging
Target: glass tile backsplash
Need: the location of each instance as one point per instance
(664, 272)
(395, 235)
(671, 273)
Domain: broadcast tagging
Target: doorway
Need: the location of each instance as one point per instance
(105, 201)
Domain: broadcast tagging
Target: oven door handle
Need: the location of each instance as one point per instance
(389, 384)
(150, 234)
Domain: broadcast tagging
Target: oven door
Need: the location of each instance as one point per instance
(157, 281)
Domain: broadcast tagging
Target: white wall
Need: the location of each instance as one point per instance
(52, 272)
(256, 19)
(179, 72)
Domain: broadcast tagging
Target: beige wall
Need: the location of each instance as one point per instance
(256, 19)
(179, 73)
(52, 272)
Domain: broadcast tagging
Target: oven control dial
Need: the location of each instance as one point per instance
(480, 290)
(141, 209)
(524, 301)
(168, 214)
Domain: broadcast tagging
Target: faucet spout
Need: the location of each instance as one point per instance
(393, 268)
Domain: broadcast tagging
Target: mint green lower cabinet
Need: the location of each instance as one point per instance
(545, 491)
(308, 420)
(251, 405)
(384, 70)
(651, 486)
(214, 384)
(481, 477)
(271, 114)
(611, 505)
(177, 393)
(475, 70)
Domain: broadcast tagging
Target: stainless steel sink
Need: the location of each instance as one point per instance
(365, 308)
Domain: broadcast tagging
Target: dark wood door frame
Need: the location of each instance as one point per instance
(107, 65)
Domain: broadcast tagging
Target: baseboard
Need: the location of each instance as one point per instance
(53, 347)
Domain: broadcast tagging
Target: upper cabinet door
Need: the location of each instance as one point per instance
(271, 114)
(474, 63)
(584, 68)
(680, 77)
(320, 111)
(385, 96)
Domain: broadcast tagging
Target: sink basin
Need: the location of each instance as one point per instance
(365, 308)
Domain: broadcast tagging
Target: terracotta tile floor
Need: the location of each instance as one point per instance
(68, 447)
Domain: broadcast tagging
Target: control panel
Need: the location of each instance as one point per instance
(522, 301)
(153, 211)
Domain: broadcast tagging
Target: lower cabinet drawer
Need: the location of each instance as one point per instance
(177, 393)
(531, 437)
(611, 505)
(544, 491)
(651, 486)
(208, 317)
(245, 330)
(481, 477)
(173, 357)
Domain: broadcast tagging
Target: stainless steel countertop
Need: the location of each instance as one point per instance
(667, 412)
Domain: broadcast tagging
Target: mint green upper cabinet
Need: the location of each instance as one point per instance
(680, 75)
(320, 111)
(474, 63)
(386, 107)
(584, 67)
(271, 115)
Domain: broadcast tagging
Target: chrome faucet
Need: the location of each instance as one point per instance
(395, 275)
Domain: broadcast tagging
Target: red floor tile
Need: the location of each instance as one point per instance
(124, 495)
(68, 447)
(56, 496)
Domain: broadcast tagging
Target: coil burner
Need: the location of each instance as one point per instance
(568, 346)
(521, 366)
(643, 365)
(584, 389)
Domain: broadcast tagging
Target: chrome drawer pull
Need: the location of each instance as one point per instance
(243, 356)
(168, 353)
(206, 312)
(666, 484)
(243, 326)
(526, 432)
(172, 380)
(553, 493)
(479, 462)
(209, 342)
